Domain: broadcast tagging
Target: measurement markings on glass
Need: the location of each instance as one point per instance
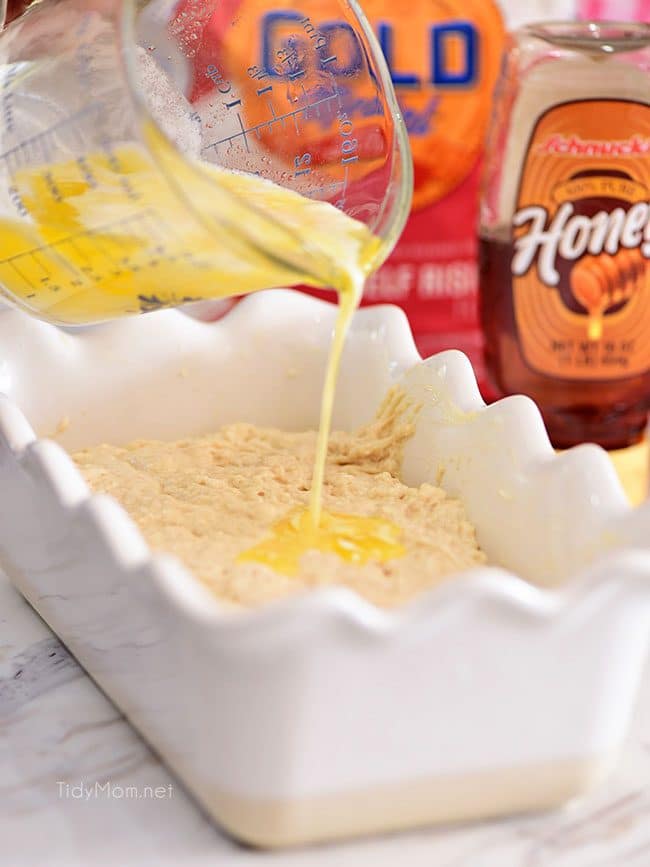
(46, 272)
(77, 248)
(24, 152)
(275, 118)
(19, 261)
(157, 228)
(243, 130)
(314, 105)
(103, 248)
(282, 120)
(15, 268)
(314, 192)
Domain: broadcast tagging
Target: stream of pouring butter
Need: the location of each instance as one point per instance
(353, 538)
(106, 235)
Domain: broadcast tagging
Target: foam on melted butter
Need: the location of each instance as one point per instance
(108, 234)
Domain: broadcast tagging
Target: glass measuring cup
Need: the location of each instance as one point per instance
(118, 118)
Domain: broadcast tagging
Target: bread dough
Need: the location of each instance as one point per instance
(208, 499)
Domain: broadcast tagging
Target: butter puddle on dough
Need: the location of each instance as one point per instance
(352, 538)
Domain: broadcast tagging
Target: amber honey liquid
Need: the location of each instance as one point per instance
(610, 412)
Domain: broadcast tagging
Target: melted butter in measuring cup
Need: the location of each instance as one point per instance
(122, 231)
(101, 236)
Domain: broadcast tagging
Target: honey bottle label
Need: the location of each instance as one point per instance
(581, 235)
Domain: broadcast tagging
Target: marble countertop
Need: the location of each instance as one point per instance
(58, 732)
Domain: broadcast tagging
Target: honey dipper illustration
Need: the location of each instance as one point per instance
(601, 282)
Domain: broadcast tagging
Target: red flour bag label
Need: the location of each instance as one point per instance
(444, 57)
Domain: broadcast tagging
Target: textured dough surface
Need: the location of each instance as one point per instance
(207, 499)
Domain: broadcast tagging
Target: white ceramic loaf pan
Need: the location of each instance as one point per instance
(321, 716)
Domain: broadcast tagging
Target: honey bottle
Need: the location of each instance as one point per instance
(565, 230)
